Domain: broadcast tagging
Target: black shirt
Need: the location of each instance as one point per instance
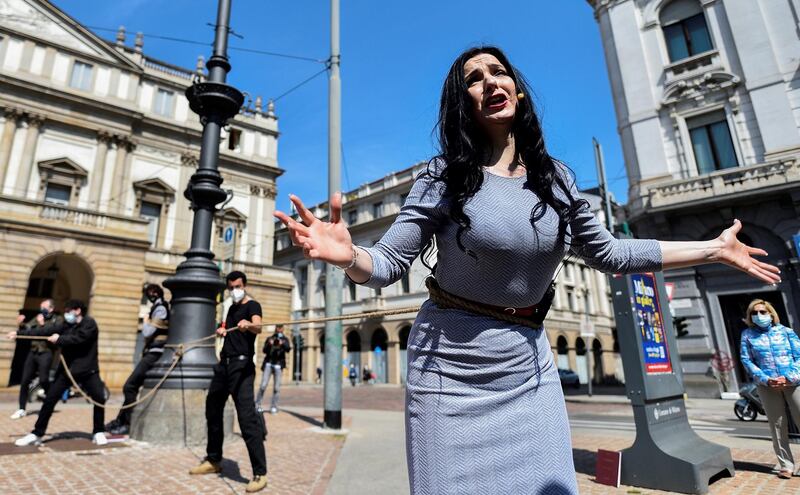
(240, 342)
(78, 343)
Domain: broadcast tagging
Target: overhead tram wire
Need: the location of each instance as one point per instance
(203, 43)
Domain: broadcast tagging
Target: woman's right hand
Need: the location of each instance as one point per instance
(777, 382)
(324, 241)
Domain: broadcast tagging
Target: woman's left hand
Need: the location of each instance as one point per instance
(736, 254)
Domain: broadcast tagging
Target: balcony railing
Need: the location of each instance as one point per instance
(725, 182)
(170, 69)
(59, 219)
(689, 66)
(73, 216)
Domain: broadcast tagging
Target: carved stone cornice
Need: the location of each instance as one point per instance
(33, 119)
(13, 113)
(104, 137)
(698, 88)
(267, 190)
(189, 159)
(124, 142)
(601, 6)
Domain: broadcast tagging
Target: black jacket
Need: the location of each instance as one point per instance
(32, 326)
(78, 343)
(275, 349)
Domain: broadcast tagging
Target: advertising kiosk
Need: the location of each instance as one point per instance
(667, 453)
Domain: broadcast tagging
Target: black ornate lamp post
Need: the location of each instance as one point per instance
(176, 413)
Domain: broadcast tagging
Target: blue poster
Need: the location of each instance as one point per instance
(650, 321)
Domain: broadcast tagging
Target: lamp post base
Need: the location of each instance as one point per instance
(176, 417)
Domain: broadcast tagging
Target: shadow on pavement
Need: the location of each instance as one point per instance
(68, 435)
(304, 418)
(752, 466)
(584, 460)
(230, 470)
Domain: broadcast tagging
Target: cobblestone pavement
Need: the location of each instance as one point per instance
(300, 461)
(753, 471)
(392, 398)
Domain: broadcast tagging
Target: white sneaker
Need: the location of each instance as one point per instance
(20, 413)
(274, 410)
(99, 438)
(29, 439)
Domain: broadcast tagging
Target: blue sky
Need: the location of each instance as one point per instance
(394, 58)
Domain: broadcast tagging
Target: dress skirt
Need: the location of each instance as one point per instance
(485, 413)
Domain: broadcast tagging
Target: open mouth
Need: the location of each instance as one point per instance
(496, 101)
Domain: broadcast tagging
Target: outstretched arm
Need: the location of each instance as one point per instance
(391, 257)
(726, 249)
(327, 241)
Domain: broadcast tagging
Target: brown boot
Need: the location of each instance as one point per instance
(206, 467)
(258, 483)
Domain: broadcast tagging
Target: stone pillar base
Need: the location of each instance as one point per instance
(176, 417)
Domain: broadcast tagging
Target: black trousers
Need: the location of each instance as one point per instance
(235, 379)
(91, 384)
(134, 383)
(36, 363)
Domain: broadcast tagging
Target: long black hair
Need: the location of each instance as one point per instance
(464, 149)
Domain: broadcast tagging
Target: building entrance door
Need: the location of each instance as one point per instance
(59, 277)
(734, 308)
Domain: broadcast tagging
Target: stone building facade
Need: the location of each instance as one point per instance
(97, 144)
(380, 344)
(707, 97)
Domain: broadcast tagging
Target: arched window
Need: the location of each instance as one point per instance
(403, 336)
(561, 345)
(580, 347)
(353, 341)
(685, 30)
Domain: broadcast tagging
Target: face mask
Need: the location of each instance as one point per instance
(237, 295)
(152, 297)
(45, 312)
(70, 317)
(763, 321)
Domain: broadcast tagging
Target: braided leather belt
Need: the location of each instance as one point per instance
(532, 316)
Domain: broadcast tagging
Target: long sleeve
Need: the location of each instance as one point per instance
(81, 333)
(745, 355)
(45, 330)
(414, 226)
(793, 375)
(160, 313)
(601, 250)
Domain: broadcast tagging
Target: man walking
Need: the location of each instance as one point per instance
(275, 349)
(40, 356)
(77, 338)
(234, 376)
(154, 331)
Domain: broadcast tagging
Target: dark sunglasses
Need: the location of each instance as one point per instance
(762, 312)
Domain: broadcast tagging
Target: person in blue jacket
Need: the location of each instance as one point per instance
(771, 354)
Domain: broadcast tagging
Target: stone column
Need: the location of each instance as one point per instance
(118, 186)
(9, 131)
(99, 170)
(28, 151)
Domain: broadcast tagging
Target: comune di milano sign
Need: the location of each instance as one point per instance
(667, 453)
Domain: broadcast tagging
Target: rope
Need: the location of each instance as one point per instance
(374, 314)
(444, 299)
(181, 349)
(184, 347)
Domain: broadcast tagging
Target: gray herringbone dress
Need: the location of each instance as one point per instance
(485, 413)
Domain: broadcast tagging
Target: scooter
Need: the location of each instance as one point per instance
(749, 406)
